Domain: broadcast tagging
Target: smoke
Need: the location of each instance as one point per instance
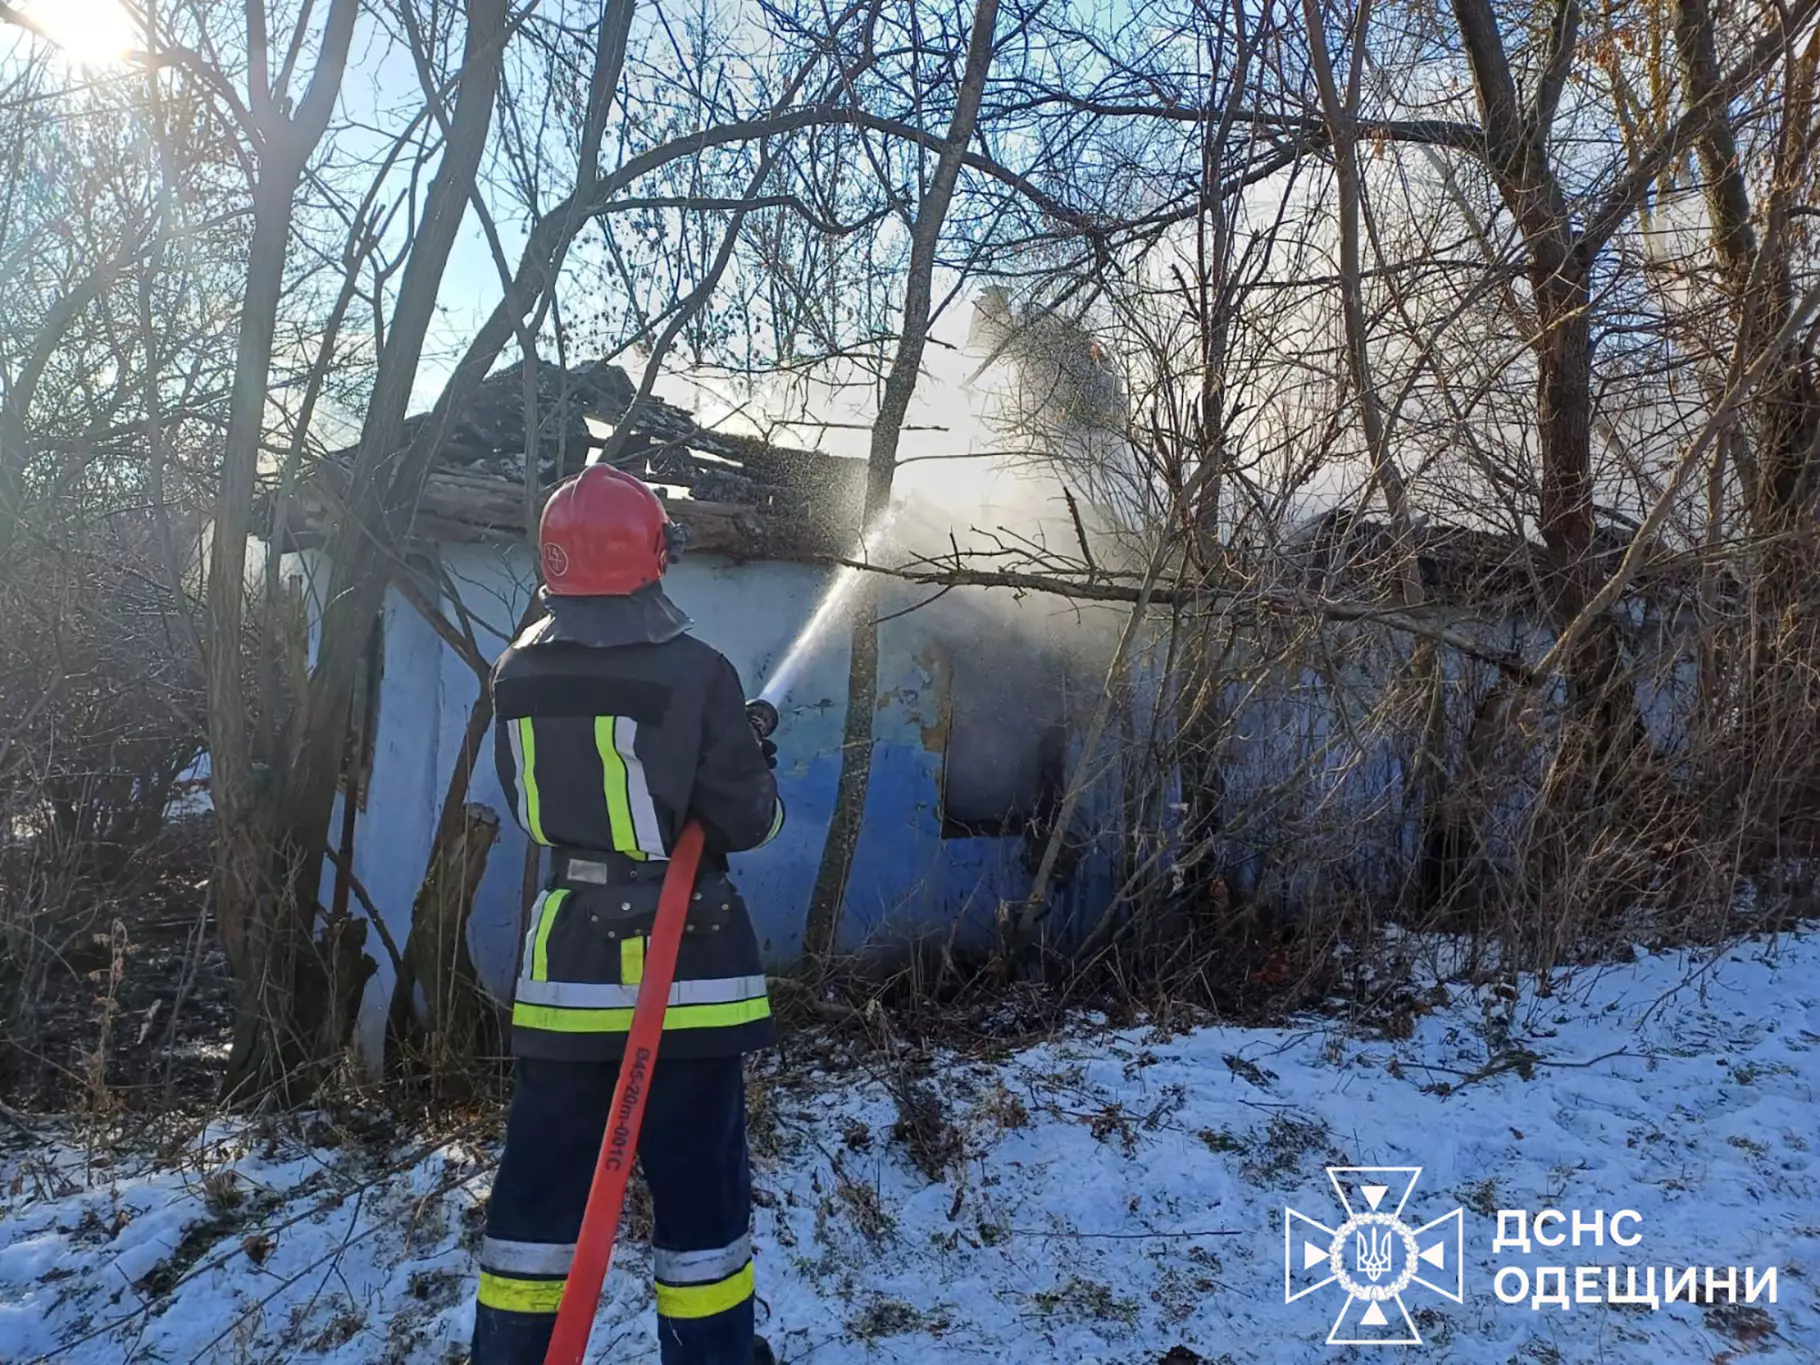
(1003, 425)
(1012, 459)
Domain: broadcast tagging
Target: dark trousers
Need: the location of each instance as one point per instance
(693, 1154)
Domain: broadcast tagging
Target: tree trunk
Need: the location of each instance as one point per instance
(1770, 766)
(385, 482)
(15, 434)
(1201, 714)
(1603, 730)
(1425, 777)
(1598, 690)
(377, 512)
(1564, 420)
(461, 1029)
(1757, 277)
(821, 929)
(260, 949)
(1558, 265)
(298, 989)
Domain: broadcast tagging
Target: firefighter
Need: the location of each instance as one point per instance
(612, 726)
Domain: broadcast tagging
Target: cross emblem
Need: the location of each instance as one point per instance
(1373, 1255)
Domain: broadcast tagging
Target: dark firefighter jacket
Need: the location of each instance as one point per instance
(611, 728)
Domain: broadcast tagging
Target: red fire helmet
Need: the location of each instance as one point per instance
(603, 534)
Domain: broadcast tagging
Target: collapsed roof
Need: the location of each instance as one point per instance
(744, 496)
(1343, 553)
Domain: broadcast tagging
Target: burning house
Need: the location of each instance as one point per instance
(975, 721)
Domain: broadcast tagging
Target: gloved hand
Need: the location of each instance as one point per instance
(770, 752)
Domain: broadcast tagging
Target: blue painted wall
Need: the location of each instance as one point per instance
(1316, 801)
(1314, 786)
(906, 881)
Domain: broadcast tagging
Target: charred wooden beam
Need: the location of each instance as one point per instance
(746, 498)
(462, 507)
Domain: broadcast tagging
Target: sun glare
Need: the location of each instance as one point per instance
(92, 33)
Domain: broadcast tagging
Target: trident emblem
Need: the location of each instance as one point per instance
(1371, 1248)
(1373, 1255)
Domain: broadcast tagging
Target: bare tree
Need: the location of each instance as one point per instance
(280, 143)
(1760, 251)
(1328, 257)
(822, 927)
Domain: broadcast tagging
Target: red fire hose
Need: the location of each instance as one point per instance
(607, 1196)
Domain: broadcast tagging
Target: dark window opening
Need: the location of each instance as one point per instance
(1005, 764)
(1014, 798)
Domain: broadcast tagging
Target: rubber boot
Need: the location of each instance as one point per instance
(761, 1352)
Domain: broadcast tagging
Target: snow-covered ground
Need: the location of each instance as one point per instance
(1114, 1196)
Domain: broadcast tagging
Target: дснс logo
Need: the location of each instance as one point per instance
(1374, 1255)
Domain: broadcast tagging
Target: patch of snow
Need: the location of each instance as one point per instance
(191, 790)
(1118, 1196)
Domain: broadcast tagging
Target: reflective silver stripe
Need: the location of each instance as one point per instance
(518, 776)
(700, 1267)
(537, 913)
(638, 793)
(526, 1258)
(577, 995)
(591, 995)
(718, 990)
(533, 632)
(599, 874)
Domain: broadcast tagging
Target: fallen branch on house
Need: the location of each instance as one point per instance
(1098, 589)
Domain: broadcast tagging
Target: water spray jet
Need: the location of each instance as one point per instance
(826, 610)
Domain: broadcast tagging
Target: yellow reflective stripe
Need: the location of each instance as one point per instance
(519, 808)
(527, 779)
(704, 1300)
(632, 960)
(614, 995)
(618, 788)
(550, 903)
(520, 1296)
(555, 1019)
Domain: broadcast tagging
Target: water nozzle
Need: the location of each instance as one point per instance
(762, 716)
